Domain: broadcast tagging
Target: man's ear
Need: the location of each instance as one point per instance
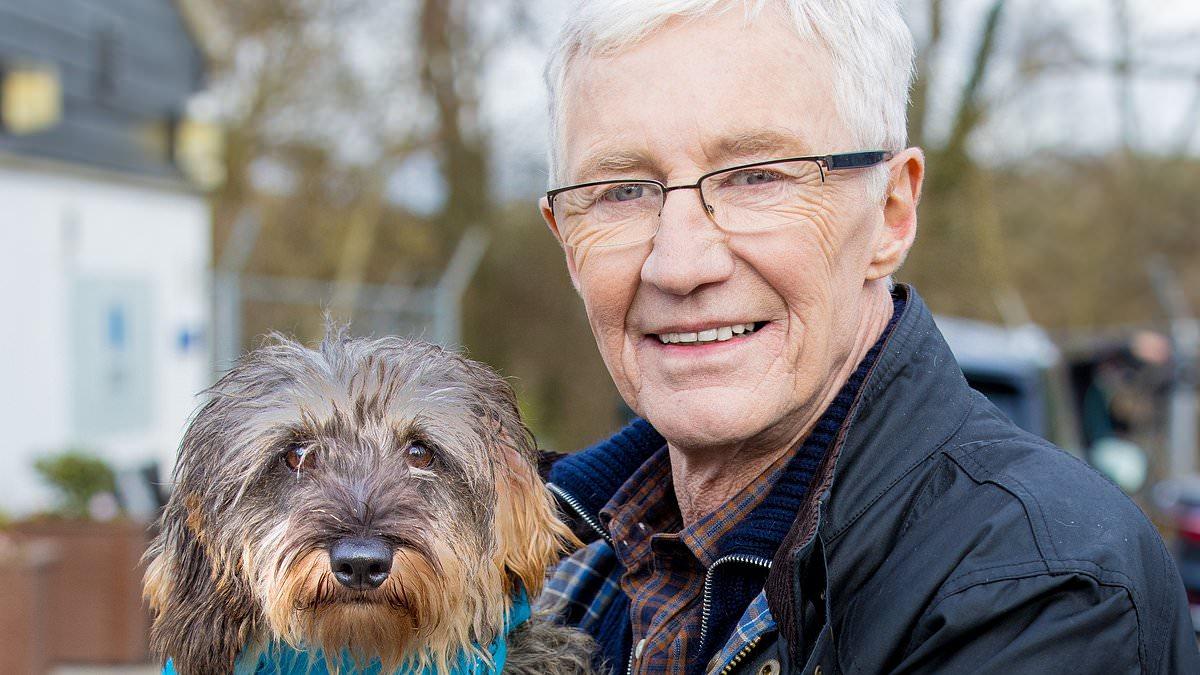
(906, 176)
(548, 216)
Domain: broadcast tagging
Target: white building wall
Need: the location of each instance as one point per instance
(63, 235)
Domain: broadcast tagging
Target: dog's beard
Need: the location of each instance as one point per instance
(433, 606)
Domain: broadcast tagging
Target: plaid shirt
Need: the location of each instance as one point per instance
(584, 588)
(666, 563)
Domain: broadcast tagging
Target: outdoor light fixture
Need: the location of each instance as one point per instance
(198, 149)
(30, 98)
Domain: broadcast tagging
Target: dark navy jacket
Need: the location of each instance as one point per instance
(938, 537)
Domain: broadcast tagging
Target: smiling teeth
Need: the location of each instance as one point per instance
(711, 335)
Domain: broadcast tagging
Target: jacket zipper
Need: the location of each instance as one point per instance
(591, 522)
(635, 653)
(708, 584)
(733, 663)
(707, 606)
(569, 500)
(580, 511)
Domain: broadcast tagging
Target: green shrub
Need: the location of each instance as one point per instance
(77, 476)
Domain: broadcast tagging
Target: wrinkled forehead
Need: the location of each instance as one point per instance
(699, 94)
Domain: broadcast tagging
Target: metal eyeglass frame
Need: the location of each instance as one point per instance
(825, 163)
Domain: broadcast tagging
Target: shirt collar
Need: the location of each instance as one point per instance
(645, 513)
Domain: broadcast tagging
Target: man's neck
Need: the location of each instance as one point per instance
(706, 480)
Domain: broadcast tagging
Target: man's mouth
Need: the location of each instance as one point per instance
(710, 335)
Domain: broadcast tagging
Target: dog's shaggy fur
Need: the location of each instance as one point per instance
(243, 554)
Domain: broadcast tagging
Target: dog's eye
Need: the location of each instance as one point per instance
(298, 457)
(419, 456)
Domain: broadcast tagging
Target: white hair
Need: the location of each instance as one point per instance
(870, 45)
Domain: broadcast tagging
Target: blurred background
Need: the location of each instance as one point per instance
(180, 177)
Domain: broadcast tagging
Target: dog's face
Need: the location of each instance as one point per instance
(379, 495)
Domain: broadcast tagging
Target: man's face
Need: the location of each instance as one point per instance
(696, 97)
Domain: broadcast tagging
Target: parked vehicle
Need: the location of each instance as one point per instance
(1022, 372)
(1179, 500)
(1025, 374)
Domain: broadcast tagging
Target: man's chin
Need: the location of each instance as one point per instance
(707, 420)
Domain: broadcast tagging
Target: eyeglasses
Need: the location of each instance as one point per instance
(747, 198)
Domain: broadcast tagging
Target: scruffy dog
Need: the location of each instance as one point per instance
(377, 498)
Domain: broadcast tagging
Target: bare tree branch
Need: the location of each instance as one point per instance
(1123, 71)
(919, 105)
(448, 77)
(970, 111)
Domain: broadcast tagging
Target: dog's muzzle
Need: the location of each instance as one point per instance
(361, 564)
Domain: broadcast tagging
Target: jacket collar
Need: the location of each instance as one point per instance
(910, 405)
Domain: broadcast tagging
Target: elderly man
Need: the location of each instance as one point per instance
(814, 488)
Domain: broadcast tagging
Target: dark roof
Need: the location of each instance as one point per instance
(126, 69)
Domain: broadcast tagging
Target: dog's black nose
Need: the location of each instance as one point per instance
(361, 564)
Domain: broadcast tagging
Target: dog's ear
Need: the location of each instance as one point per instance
(202, 619)
(531, 535)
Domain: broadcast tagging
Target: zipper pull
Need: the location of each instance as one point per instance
(635, 654)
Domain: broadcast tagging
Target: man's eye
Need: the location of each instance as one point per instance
(299, 457)
(751, 177)
(624, 193)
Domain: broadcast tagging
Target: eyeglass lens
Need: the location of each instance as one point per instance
(741, 200)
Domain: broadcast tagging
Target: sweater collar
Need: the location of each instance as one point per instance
(594, 475)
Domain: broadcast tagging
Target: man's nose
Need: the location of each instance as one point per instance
(689, 250)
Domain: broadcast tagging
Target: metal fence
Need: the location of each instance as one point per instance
(432, 312)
